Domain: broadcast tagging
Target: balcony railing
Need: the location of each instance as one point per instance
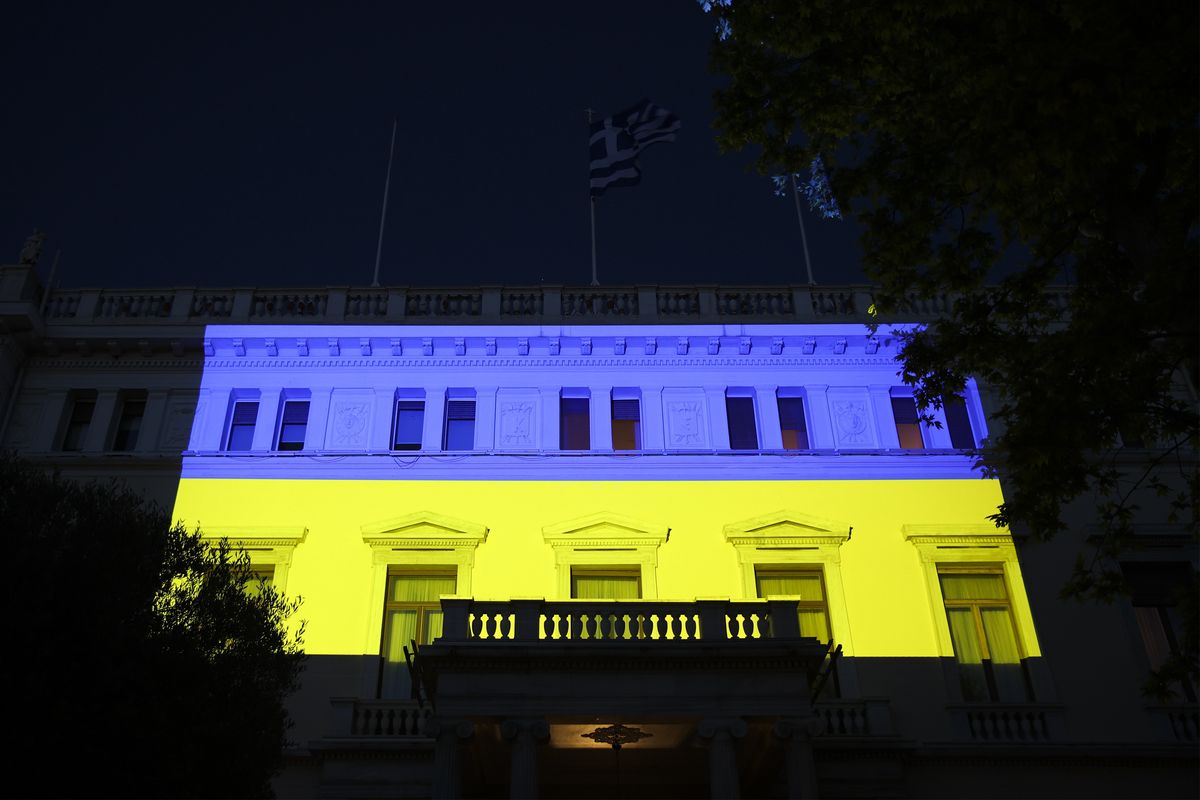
(1026, 723)
(397, 719)
(600, 622)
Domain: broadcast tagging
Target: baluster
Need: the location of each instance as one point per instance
(669, 622)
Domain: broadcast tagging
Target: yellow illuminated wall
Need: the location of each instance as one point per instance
(885, 588)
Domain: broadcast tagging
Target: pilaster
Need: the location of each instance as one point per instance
(770, 436)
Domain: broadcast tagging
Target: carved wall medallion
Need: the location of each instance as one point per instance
(685, 419)
(852, 421)
(516, 424)
(350, 424)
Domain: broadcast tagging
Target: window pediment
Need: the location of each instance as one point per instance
(605, 529)
(257, 536)
(786, 528)
(424, 529)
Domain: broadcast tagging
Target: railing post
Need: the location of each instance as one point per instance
(785, 619)
(527, 612)
(454, 619)
(341, 716)
(243, 299)
(552, 303)
(713, 626)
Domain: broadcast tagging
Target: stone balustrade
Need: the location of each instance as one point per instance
(1010, 723)
(378, 718)
(842, 719)
(600, 622)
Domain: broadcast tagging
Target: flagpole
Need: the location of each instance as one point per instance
(803, 236)
(383, 213)
(592, 208)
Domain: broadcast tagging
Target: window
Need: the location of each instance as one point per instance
(806, 586)
(410, 424)
(241, 425)
(412, 613)
(459, 432)
(606, 583)
(984, 636)
(262, 576)
(574, 422)
(586, 548)
(293, 425)
(792, 424)
(626, 421)
(78, 423)
(129, 424)
(1156, 590)
(958, 422)
(908, 425)
(739, 407)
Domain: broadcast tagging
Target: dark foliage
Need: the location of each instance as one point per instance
(134, 657)
(992, 150)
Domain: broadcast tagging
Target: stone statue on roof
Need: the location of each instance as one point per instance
(32, 250)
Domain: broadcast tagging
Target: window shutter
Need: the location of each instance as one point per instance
(460, 409)
(905, 410)
(245, 413)
(791, 413)
(295, 413)
(626, 409)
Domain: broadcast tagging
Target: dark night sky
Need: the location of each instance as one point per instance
(163, 144)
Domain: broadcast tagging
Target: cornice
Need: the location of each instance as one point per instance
(106, 361)
(506, 362)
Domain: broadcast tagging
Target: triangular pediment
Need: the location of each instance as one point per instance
(424, 529)
(784, 525)
(605, 527)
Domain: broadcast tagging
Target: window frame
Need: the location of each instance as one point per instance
(565, 395)
(459, 396)
(949, 545)
(76, 400)
(626, 396)
(796, 568)
(604, 539)
(787, 539)
(902, 395)
(606, 571)
(403, 397)
(976, 606)
(231, 415)
(421, 539)
(282, 422)
(740, 393)
(126, 400)
(266, 545)
(794, 393)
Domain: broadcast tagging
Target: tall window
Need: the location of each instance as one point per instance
(293, 426)
(626, 422)
(129, 425)
(78, 423)
(459, 433)
(958, 422)
(739, 408)
(806, 586)
(411, 613)
(1156, 590)
(574, 422)
(241, 425)
(410, 424)
(262, 576)
(792, 424)
(908, 425)
(984, 636)
(606, 583)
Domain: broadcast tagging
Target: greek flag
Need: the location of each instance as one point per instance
(617, 141)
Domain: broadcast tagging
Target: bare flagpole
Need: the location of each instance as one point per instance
(383, 214)
(803, 236)
(592, 206)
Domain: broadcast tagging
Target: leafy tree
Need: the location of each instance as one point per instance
(989, 151)
(134, 656)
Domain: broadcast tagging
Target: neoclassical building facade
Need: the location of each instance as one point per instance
(705, 525)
